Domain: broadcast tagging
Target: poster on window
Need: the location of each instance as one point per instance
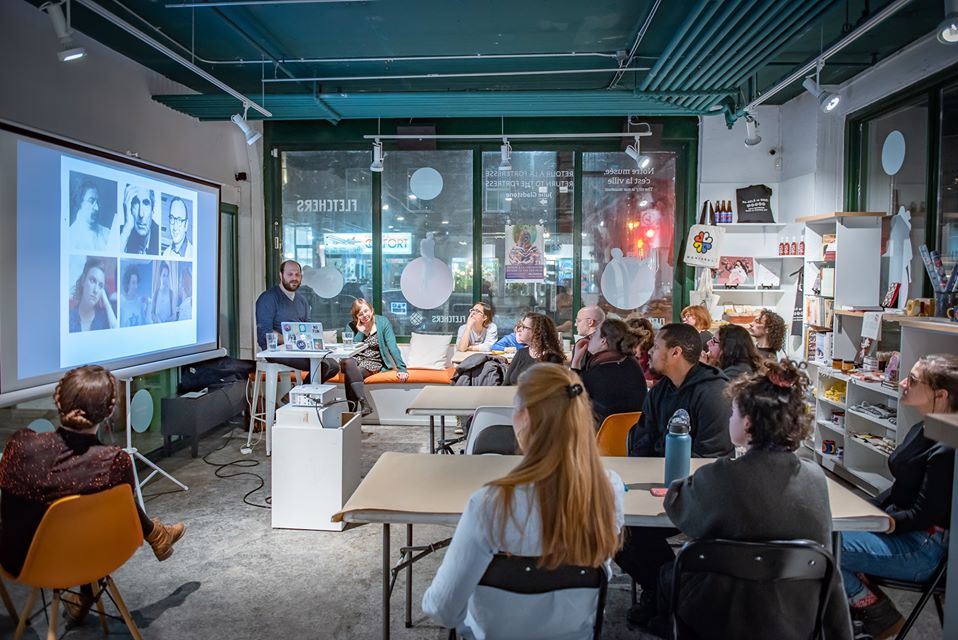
(525, 253)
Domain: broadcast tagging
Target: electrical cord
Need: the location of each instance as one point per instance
(239, 463)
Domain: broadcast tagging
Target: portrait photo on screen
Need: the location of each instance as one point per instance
(140, 231)
(136, 287)
(177, 232)
(92, 211)
(93, 296)
(163, 303)
(184, 308)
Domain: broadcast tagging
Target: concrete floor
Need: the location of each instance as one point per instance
(232, 576)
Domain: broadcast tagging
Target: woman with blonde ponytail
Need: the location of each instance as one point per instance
(559, 504)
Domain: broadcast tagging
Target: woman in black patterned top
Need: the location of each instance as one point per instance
(539, 332)
(381, 354)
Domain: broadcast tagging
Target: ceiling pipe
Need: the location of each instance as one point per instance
(421, 76)
(515, 136)
(635, 45)
(761, 47)
(700, 29)
(867, 26)
(670, 47)
(244, 3)
(172, 55)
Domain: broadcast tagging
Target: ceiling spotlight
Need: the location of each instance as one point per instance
(948, 29)
(505, 155)
(827, 101)
(633, 151)
(751, 131)
(240, 121)
(61, 26)
(378, 156)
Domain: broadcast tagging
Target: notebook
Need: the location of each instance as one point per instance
(303, 336)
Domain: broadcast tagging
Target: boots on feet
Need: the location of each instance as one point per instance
(163, 537)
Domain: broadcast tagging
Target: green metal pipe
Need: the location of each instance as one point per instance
(774, 37)
(703, 27)
(674, 42)
(721, 26)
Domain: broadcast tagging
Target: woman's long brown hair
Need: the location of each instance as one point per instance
(576, 504)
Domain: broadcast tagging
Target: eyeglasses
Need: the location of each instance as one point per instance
(525, 327)
(479, 311)
(176, 220)
(713, 341)
(913, 379)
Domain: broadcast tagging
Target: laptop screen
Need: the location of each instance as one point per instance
(303, 336)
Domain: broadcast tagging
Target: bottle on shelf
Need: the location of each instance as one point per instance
(794, 248)
(781, 246)
(728, 210)
(801, 246)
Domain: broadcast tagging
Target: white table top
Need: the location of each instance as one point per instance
(420, 488)
(459, 401)
(337, 351)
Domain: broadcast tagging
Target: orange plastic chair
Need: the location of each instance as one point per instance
(82, 540)
(614, 432)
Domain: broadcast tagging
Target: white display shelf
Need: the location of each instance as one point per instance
(866, 446)
(774, 256)
(751, 226)
(750, 290)
(877, 387)
(884, 424)
(831, 426)
(876, 480)
(839, 405)
(829, 372)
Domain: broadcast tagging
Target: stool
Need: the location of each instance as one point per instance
(271, 374)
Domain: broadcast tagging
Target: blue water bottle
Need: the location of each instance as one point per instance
(678, 447)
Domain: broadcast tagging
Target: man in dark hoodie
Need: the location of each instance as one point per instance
(699, 389)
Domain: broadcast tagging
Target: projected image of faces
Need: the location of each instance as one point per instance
(184, 308)
(163, 303)
(93, 298)
(136, 278)
(92, 210)
(140, 232)
(177, 232)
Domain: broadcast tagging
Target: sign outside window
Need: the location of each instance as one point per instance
(396, 244)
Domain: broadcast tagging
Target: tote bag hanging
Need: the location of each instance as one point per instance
(704, 242)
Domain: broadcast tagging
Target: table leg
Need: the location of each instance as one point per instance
(314, 370)
(409, 580)
(432, 434)
(386, 581)
(442, 431)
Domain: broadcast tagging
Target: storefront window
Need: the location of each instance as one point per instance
(427, 240)
(527, 236)
(896, 183)
(327, 228)
(948, 180)
(628, 233)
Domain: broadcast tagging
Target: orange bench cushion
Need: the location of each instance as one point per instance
(416, 376)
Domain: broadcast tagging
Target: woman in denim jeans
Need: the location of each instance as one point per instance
(918, 502)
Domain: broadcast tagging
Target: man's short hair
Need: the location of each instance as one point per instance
(679, 334)
(186, 209)
(282, 266)
(596, 313)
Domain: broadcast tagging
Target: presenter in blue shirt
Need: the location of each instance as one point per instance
(280, 304)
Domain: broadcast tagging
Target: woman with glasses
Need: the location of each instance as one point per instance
(539, 333)
(918, 503)
(733, 351)
(558, 505)
(480, 332)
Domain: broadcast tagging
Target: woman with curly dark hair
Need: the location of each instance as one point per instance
(768, 329)
(642, 327)
(733, 351)
(767, 494)
(613, 376)
(539, 332)
(40, 468)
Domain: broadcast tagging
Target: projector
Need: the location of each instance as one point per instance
(312, 395)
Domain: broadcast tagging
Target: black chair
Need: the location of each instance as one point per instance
(753, 562)
(934, 586)
(520, 574)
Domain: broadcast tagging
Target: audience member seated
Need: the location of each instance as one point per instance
(480, 332)
(768, 329)
(614, 378)
(587, 322)
(282, 303)
(643, 328)
(919, 503)
(381, 354)
(699, 389)
(700, 318)
(38, 469)
(539, 333)
(509, 343)
(529, 512)
(733, 351)
(767, 494)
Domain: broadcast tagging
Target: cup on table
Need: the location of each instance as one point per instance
(347, 338)
(272, 341)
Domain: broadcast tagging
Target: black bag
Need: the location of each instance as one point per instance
(213, 374)
(754, 204)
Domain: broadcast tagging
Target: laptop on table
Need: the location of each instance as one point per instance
(303, 336)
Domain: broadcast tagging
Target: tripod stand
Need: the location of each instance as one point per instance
(136, 455)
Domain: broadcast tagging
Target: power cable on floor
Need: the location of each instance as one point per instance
(239, 463)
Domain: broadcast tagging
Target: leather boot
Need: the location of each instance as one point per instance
(75, 605)
(163, 537)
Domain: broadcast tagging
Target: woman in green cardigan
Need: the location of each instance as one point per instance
(381, 354)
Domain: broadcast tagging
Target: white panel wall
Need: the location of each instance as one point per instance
(104, 100)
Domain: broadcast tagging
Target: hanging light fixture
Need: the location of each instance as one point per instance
(751, 131)
(634, 152)
(505, 155)
(948, 29)
(249, 133)
(378, 156)
(61, 26)
(827, 101)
